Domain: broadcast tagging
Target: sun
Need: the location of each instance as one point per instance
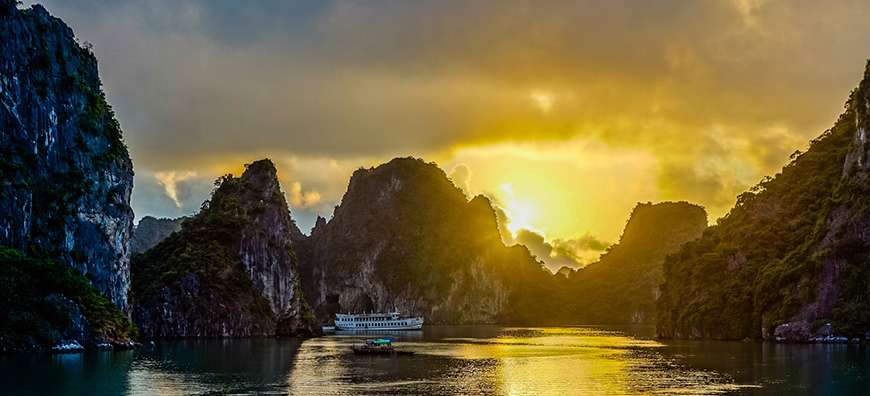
(520, 214)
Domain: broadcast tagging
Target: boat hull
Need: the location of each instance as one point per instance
(390, 321)
(383, 328)
(380, 352)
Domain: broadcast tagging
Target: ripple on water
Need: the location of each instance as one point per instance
(469, 360)
(516, 361)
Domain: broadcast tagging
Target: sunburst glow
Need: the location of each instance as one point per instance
(520, 214)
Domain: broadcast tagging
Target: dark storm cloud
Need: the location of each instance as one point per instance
(331, 78)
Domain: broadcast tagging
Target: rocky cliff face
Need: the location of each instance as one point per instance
(48, 305)
(230, 271)
(622, 287)
(405, 237)
(790, 261)
(65, 183)
(66, 176)
(150, 231)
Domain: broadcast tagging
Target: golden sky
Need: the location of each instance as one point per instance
(566, 113)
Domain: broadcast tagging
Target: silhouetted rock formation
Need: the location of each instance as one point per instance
(622, 287)
(230, 271)
(405, 237)
(791, 256)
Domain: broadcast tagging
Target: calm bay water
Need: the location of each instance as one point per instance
(451, 360)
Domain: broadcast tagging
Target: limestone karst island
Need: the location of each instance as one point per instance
(434, 198)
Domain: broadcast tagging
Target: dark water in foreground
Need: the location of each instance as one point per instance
(451, 359)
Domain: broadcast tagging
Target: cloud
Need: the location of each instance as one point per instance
(717, 93)
(748, 10)
(571, 247)
(427, 76)
(170, 181)
(169, 194)
(558, 253)
(303, 199)
(461, 177)
(507, 237)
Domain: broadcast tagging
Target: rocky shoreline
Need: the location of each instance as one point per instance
(801, 333)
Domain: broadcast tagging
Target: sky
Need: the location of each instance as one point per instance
(565, 113)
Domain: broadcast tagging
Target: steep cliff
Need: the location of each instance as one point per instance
(230, 271)
(150, 231)
(623, 285)
(405, 237)
(65, 175)
(790, 261)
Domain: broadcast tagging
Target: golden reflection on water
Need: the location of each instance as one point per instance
(517, 361)
(318, 369)
(598, 371)
(552, 361)
(467, 360)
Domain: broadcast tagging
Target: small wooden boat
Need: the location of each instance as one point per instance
(379, 346)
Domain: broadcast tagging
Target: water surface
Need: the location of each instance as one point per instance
(451, 360)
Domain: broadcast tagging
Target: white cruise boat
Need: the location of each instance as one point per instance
(377, 321)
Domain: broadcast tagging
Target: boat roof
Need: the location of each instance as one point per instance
(368, 314)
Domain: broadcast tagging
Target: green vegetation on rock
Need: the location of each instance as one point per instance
(43, 303)
(66, 176)
(792, 250)
(201, 280)
(204, 251)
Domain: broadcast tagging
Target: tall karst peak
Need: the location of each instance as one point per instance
(405, 237)
(238, 250)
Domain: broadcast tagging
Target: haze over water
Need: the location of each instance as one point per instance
(452, 360)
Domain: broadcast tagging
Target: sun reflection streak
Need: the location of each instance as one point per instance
(513, 361)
